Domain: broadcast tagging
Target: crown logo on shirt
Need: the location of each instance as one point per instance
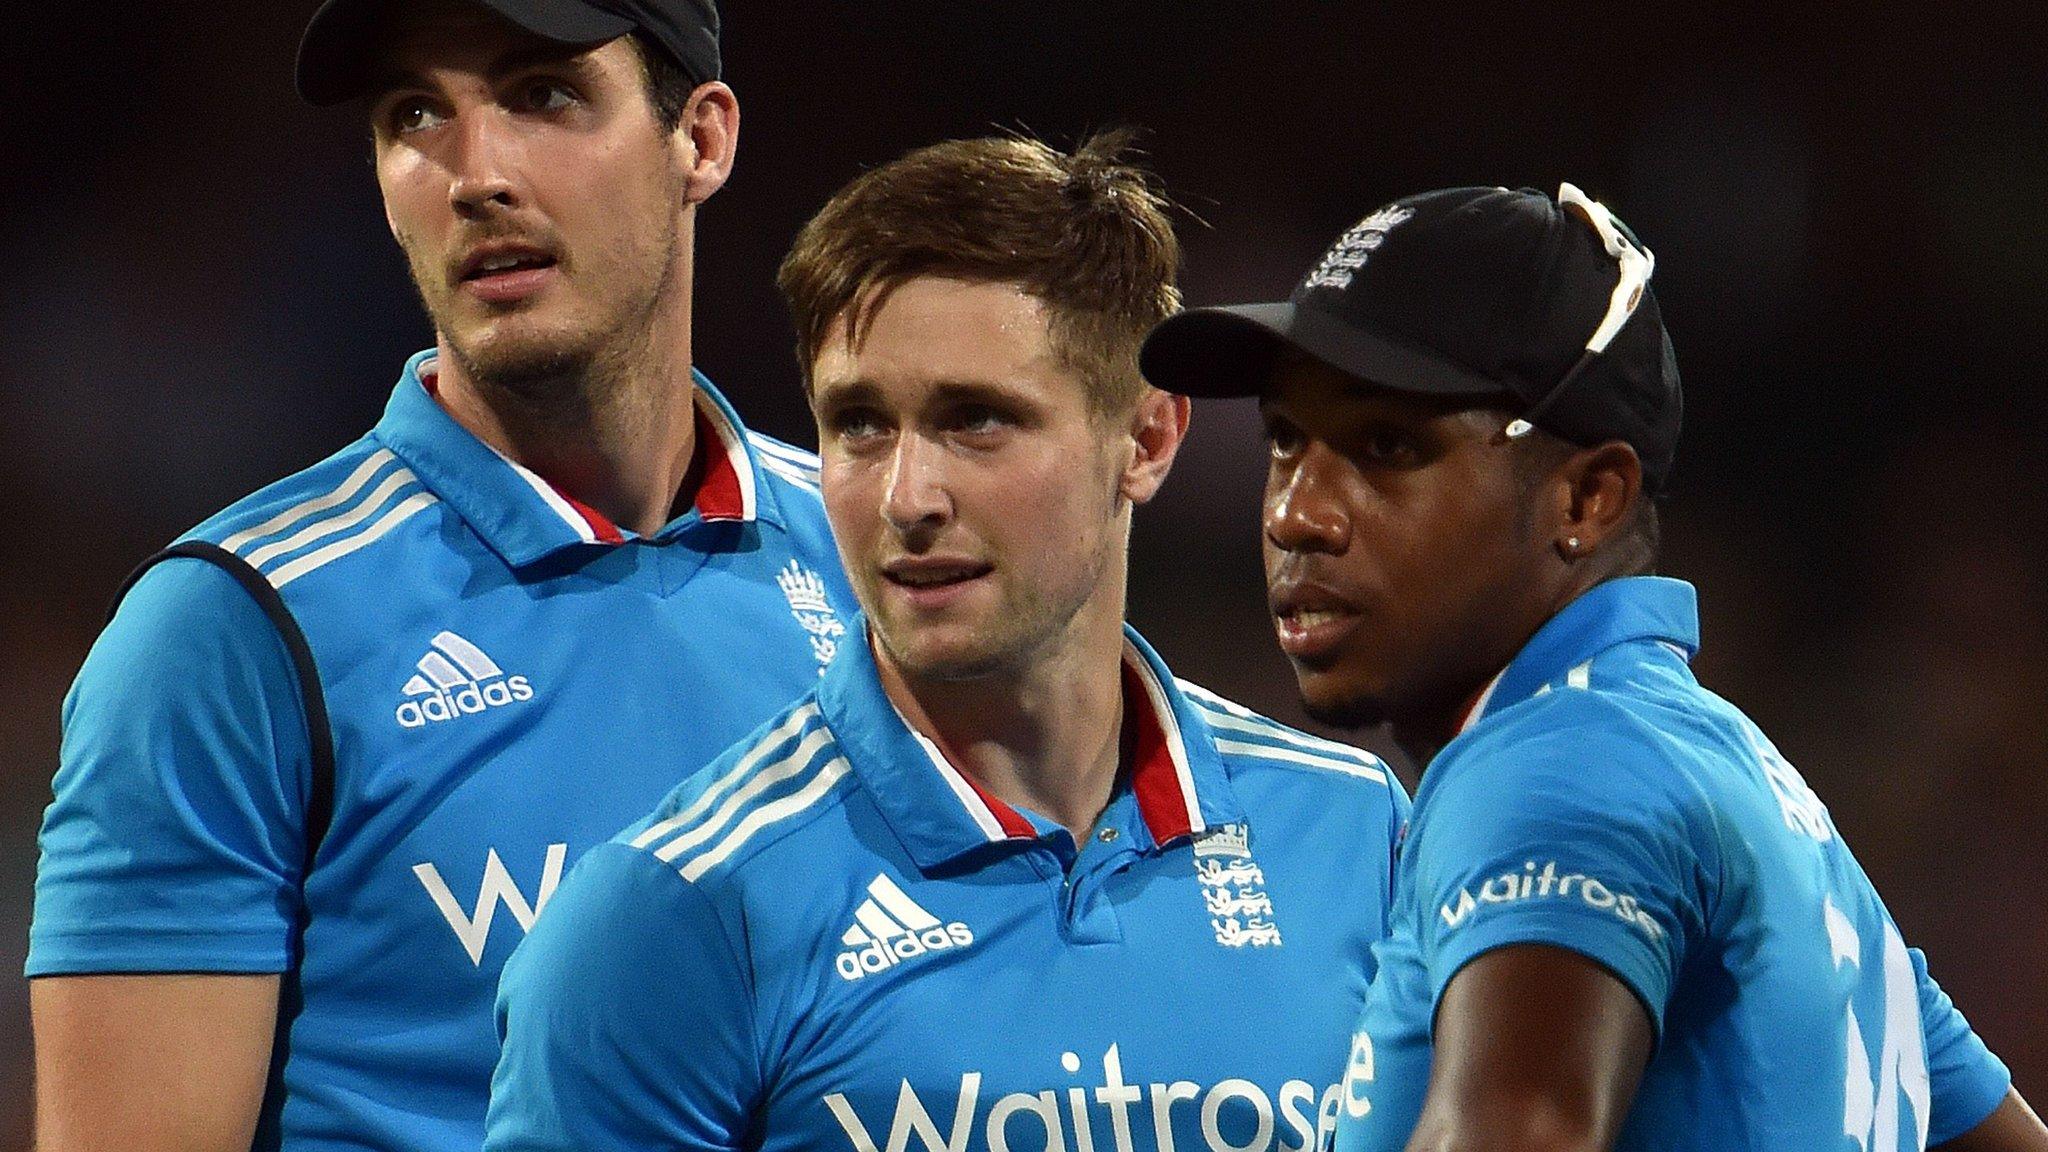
(1234, 889)
(813, 612)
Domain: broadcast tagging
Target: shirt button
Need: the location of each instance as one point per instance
(1107, 835)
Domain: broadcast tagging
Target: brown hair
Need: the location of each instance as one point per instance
(1086, 233)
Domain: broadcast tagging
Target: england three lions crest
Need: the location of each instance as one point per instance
(1234, 890)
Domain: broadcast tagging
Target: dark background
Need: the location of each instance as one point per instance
(1852, 246)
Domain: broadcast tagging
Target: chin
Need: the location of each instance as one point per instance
(1338, 705)
(932, 658)
(519, 352)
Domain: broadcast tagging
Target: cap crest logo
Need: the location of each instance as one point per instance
(1349, 253)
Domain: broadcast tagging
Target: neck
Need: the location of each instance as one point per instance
(1047, 737)
(616, 433)
(1420, 738)
(1422, 735)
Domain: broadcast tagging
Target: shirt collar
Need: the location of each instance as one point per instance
(524, 518)
(1610, 613)
(1177, 783)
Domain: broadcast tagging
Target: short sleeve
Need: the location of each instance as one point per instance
(1967, 1080)
(175, 838)
(1567, 837)
(625, 1017)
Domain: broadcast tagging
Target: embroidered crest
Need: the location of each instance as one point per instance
(806, 595)
(1234, 890)
(1351, 250)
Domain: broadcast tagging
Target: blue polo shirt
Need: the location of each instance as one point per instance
(1600, 800)
(832, 939)
(509, 678)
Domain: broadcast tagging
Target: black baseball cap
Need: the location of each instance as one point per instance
(1481, 292)
(335, 53)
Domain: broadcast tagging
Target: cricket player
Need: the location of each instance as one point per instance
(1621, 918)
(1001, 882)
(332, 755)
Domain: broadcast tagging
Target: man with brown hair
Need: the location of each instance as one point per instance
(1001, 880)
(334, 752)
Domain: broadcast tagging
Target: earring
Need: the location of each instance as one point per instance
(1572, 542)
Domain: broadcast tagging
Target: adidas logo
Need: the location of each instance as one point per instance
(890, 928)
(457, 679)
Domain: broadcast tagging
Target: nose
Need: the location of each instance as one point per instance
(1305, 509)
(916, 497)
(481, 168)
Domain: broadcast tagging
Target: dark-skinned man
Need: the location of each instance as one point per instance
(1621, 919)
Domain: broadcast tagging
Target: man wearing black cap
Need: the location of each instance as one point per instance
(335, 750)
(1621, 919)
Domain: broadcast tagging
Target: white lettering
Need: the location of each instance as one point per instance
(1163, 1098)
(1501, 889)
(1232, 1115)
(474, 929)
(1326, 1116)
(1293, 1095)
(881, 955)
(1212, 1108)
(1119, 1096)
(1534, 884)
(1044, 1105)
(1358, 1075)
(1077, 1107)
(1452, 918)
(911, 1117)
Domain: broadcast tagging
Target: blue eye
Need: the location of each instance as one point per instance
(854, 424)
(980, 419)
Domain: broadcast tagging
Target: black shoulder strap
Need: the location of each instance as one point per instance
(319, 739)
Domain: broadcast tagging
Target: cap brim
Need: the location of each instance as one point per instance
(334, 64)
(1229, 351)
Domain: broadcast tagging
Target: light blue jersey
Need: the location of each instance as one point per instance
(1600, 800)
(832, 940)
(509, 679)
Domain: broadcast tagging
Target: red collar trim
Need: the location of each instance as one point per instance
(1160, 779)
(602, 530)
(1012, 822)
(722, 494)
(719, 494)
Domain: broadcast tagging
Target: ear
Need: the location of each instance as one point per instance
(1158, 426)
(1597, 497)
(708, 136)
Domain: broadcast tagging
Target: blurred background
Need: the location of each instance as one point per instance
(1845, 202)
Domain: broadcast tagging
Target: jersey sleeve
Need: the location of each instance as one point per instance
(175, 839)
(1967, 1081)
(626, 1019)
(1566, 836)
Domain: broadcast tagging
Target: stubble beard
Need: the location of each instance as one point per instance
(1028, 621)
(569, 382)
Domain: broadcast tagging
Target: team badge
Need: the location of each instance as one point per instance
(1234, 890)
(806, 596)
